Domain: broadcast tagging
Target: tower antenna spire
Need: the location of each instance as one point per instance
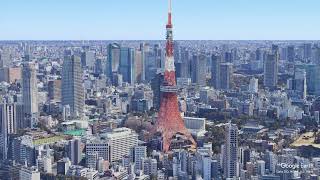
(169, 12)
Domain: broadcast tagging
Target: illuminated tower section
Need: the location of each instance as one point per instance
(170, 122)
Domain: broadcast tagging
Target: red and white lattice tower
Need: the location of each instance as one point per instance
(169, 121)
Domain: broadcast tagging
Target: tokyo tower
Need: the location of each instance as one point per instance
(170, 122)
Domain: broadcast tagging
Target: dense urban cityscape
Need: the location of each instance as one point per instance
(161, 109)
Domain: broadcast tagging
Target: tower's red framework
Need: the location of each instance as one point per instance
(169, 121)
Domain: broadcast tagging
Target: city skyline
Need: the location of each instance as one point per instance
(145, 110)
(111, 20)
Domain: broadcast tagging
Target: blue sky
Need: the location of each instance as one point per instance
(145, 19)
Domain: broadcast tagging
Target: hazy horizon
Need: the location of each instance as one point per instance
(145, 20)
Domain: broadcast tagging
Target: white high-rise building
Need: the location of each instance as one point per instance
(194, 123)
(72, 89)
(231, 164)
(196, 126)
(30, 91)
(45, 164)
(120, 141)
(29, 173)
(261, 167)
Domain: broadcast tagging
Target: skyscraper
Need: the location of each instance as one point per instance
(4, 74)
(259, 54)
(169, 121)
(291, 54)
(307, 51)
(244, 154)
(253, 85)
(177, 59)
(300, 82)
(199, 69)
(271, 71)
(8, 122)
(206, 167)
(54, 90)
(228, 57)
(155, 85)
(226, 76)
(313, 79)
(126, 67)
(138, 66)
(176, 52)
(151, 64)
(283, 53)
(5, 58)
(88, 59)
(29, 91)
(113, 60)
(143, 49)
(137, 154)
(185, 63)
(74, 151)
(158, 53)
(215, 71)
(231, 151)
(98, 66)
(72, 87)
(1, 61)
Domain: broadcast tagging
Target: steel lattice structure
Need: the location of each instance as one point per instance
(169, 121)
